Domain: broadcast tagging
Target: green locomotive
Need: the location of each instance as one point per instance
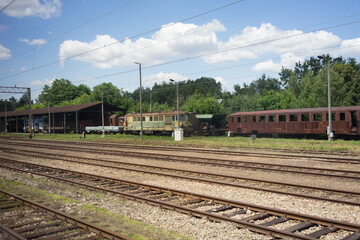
(161, 123)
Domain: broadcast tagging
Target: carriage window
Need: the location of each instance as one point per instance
(293, 118)
(151, 118)
(134, 119)
(245, 118)
(333, 117)
(262, 119)
(156, 118)
(232, 119)
(282, 118)
(239, 119)
(161, 118)
(305, 117)
(254, 118)
(317, 117)
(342, 116)
(272, 118)
(143, 118)
(182, 117)
(173, 117)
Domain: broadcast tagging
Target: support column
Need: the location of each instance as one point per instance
(64, 123)
(53, 125)
(17, 124)
(76, 122)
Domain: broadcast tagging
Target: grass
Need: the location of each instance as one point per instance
(100, 216)
(220, 142)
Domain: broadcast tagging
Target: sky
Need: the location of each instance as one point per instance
(235, 42)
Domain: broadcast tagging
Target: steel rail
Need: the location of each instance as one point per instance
(193, 212)
(201, 150)
(70, 219)
(214, 161)
(210, 151)
(338, 191)
(9, 234)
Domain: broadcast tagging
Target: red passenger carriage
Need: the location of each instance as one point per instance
(297, 122)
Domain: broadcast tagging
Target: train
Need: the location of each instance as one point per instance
(297, 122)
(161, 123)
(164, 123)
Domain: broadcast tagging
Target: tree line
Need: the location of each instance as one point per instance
(305, 86)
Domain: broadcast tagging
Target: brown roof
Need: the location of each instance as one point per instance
(62, 109)
(300, 110)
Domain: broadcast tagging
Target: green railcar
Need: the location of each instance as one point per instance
(161, 123)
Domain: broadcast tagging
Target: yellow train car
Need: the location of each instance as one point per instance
(161, 123)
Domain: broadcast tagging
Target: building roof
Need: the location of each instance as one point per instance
(300, 110)
(62, 109)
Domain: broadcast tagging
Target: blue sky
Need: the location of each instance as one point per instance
(235, 42)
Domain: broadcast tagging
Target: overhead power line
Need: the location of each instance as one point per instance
(119, 41)
(7, 6)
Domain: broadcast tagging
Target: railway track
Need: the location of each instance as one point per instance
(265, 220)
(281, 168)
(304, 191)
(25, 219)
(314, 155)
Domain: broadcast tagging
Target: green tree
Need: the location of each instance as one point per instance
(200, 104)
(111, 95)
(61, 90)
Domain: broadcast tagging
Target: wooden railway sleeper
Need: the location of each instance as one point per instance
(321, 232)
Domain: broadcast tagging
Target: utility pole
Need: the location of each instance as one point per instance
(330, 133)
(141, 119)
(49, 113)
(30, 117)
(6, 116)
(102, 114)
(20, 90)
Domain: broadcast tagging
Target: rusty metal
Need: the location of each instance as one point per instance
(318, 155)
(76, 222)
(172, 193)
(306, 121)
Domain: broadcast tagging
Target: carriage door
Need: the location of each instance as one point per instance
(353, 122)
(167, 120)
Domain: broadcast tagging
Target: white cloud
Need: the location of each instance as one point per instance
(160, 77)
(350, 47)
(187, 40)
(287, 60)
(41, 82)
(268, 39)
(34, 41)
(220, 80)
(4, 53)
(268, 65)
(170, 41)
(36, 8)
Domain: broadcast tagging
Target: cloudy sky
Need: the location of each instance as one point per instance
(235, 42)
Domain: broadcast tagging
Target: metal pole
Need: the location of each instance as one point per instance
(329, 102)
(49, 113)
(141, 119)
(30, 117)
(150, 100)
(177, 103)
(5, 116)
(102, 114)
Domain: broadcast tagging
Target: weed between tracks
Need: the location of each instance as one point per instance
(83, 204)
(218, 142)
